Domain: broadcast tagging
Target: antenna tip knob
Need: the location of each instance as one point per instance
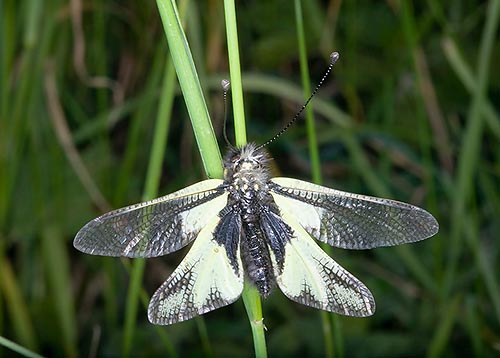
(225, 85)
(334, 57)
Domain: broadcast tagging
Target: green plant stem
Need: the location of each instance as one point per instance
(58, 269)
(135, 136)
(485, 264)
(18, 348)
(151, 190)
(21, 325)
(328, 332)
(471, 143)
(464, 73)
(306, 89)
(162, 333)
(191, 88)
(136, 274)
(205, 340)
(161, 131)
(235, 72)
(251, 297)
(444, 329)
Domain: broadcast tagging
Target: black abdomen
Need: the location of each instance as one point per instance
(256, 258)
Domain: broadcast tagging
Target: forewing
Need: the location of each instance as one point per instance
(310, 277)
(351, 221)
(204, 281)
(156, 227)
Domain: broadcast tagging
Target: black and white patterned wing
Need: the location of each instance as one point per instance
(156, 227)
(209, 277)
(351, 221)
(309, 276)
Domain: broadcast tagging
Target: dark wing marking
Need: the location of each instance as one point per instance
(156, 227)
(228, 233)
(310, 277)
(204, 281)
(351, 221)
(277, 233)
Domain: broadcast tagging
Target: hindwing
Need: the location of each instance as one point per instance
(351, 221)
(310, 277)
(156, 227)
(205, 280)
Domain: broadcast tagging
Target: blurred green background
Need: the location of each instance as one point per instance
(410, 113)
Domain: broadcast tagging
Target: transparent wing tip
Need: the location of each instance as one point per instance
(429, 224)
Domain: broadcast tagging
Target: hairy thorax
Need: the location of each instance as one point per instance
(247, 176)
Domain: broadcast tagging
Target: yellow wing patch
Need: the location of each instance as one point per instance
(204, 281)
(311, 277)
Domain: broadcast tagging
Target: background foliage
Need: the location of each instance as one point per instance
(410, 112)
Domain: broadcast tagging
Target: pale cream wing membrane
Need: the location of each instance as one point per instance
(310, 277)
(351, 221)
(204, 281)
(156, 227)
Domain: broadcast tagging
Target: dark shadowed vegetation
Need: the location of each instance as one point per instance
(411, 112)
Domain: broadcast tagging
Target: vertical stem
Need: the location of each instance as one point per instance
(191, 88)
(471, 144)
(235, 72)
(251, 297)
(306, 86)
(193, 96)
(330, 334)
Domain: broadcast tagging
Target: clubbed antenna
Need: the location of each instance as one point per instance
(226, 85)
(333, 58)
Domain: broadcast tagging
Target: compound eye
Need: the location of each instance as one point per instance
(236, 163)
